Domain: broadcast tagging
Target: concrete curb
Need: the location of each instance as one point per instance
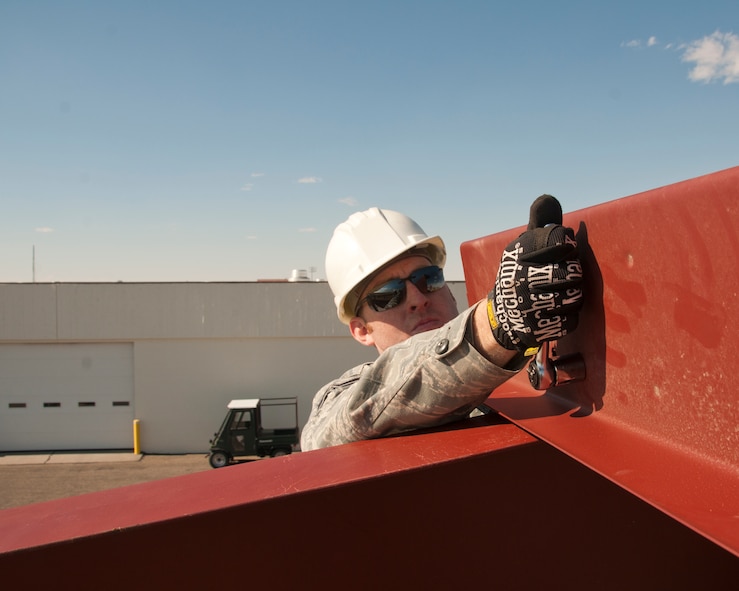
(67, 458)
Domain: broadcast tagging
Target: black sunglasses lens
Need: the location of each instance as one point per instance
(392, 293)
(428, 279)
(388, 296)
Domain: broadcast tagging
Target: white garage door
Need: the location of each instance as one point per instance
(66, 397)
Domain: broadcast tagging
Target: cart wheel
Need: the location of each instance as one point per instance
(218, 459)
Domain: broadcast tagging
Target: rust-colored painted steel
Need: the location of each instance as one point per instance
(658, 412)
(480, 505)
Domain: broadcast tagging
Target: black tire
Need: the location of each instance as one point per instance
(279, 452)
(219, 459)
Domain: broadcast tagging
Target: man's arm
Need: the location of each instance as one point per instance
(430, 379)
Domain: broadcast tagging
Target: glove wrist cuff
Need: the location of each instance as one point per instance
(501, 336)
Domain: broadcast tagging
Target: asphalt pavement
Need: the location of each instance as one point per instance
(37, 477)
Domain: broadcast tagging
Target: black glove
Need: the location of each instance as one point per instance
(538, 290)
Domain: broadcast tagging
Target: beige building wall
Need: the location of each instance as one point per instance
(195, 345)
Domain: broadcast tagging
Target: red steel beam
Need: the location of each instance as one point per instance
(483, 505)
(658, 412)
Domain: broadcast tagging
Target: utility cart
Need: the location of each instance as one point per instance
(256, 427)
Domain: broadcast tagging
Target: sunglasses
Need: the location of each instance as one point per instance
(392, 294)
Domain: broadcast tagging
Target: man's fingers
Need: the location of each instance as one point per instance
(548, 245)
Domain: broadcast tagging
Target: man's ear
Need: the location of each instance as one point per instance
(361, 332)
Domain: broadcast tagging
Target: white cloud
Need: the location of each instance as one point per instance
(716, 57)
(247, 187)
(256, 174)
(651, 42)
(44, 230)
(351, 201)
(307, 230)
(309, 180)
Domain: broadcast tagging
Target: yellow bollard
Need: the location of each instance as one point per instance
(136, 438)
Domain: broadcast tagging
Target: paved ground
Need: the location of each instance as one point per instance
(33, 478)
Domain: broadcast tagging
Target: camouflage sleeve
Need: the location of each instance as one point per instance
(428, 380)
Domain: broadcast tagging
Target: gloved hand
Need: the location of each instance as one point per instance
(538, 290)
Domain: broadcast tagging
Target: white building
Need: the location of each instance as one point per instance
(80, 361)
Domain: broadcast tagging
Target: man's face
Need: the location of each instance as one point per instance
(417, 313)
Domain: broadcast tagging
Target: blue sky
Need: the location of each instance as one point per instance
(224, 140)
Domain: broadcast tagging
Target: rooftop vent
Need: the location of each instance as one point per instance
(299, 275)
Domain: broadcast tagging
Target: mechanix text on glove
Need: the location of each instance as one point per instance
(538, 289)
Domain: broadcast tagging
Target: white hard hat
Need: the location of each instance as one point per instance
(366, 242)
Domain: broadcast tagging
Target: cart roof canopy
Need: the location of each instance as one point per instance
(244, 403)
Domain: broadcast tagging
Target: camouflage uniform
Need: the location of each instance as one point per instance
(430, 379)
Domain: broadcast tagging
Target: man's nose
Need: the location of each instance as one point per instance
(415, 297)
